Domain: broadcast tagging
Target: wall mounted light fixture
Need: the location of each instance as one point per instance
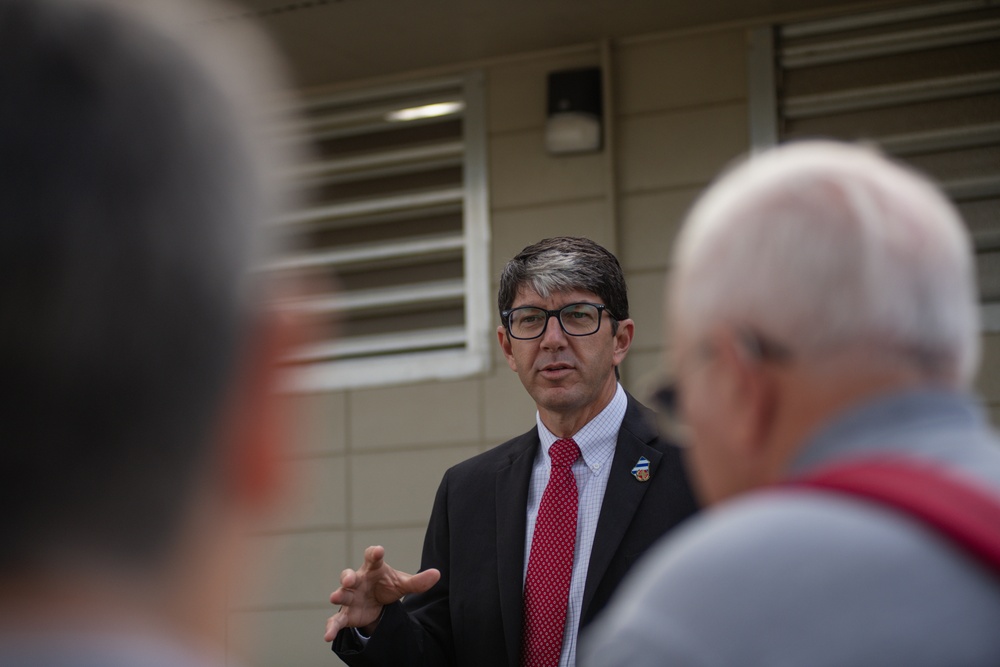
(574, 111)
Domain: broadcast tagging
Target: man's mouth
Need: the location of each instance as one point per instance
(555, 371)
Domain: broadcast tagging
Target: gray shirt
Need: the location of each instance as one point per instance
(76, 649)
(810, 578)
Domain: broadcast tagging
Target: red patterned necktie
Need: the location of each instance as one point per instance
(550, 565)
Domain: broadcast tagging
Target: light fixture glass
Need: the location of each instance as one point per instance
(426, 111)
(572, 132)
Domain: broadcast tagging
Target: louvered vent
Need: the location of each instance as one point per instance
(391, 253)
(922, 82)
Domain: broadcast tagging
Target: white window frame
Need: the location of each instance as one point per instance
(419, 366)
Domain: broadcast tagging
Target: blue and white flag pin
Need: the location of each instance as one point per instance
(641, 469)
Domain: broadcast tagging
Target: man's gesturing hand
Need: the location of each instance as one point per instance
(363, 592)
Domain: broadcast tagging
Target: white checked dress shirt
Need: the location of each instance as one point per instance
(596, 440)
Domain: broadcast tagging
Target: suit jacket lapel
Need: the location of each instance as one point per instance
(512, 500)
(622, 496)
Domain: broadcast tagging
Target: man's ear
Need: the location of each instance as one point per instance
(752, 398)
(505, 345)
(256, 426)
(623, 339)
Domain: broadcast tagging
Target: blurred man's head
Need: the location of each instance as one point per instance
(805, 280)
(566, 360)
(131, 208)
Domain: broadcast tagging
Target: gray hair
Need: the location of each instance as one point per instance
(828, 246)
(562, 264)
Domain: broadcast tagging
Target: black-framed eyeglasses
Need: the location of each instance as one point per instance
(763, 348)
(576, 319)
(665, 401)
(665, 398)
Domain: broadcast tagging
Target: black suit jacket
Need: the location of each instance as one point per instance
(472, 616)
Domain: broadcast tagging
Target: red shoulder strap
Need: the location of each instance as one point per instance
(955, 507)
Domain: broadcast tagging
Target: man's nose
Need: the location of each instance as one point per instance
(553, 336)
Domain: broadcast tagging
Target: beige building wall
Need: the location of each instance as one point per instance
(365, 464)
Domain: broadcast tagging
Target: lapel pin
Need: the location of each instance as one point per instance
(641, 469)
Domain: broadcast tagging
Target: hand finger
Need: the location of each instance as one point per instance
(374, 557)
(348, 580)
(420, 582)
(342, 596)
(334, 625)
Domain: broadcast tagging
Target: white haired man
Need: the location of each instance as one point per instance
(824, 320)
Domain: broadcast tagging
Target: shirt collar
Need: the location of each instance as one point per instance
(598, 437)
(897, 423)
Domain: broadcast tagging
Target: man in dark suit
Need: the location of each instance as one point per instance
(527, 541)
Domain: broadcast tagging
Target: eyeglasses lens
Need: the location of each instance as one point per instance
(577, 319)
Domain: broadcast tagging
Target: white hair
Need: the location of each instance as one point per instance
(828, 246)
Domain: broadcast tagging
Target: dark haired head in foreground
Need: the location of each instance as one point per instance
(133, 339)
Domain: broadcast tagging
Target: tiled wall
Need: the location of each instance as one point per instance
(367, 463)
(988, 382)
(682, 116)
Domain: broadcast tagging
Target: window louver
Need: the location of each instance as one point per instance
(390, 255)
(921, 82)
